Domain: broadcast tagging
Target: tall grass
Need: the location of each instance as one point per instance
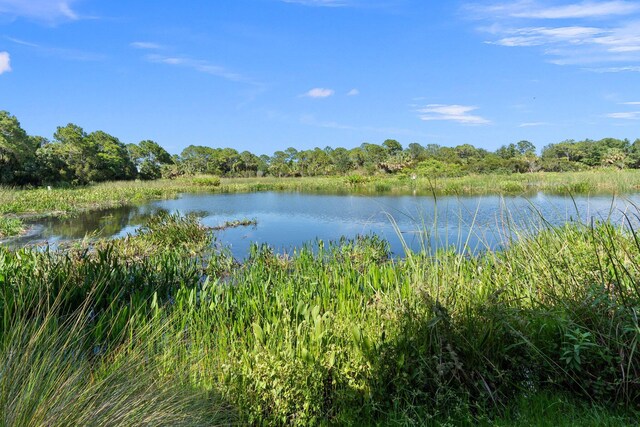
(51, 375)
(68, 201)
(79, 339)
(10, 226)
(335, 333)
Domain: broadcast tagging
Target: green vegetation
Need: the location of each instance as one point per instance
(133, 331)
(166, 328)
(10, 226)
(74, 157)
(66, 201)
(246, 222)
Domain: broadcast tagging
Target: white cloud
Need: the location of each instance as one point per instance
(627, 115)
(528, 9)
(322, 3)
(360, 4)
(353, 92)
(616, 39)
(532, 124)
(538, 36)
(145, 45)
(5, 62)
(631, 68)
(61, 52)
(311, 120)
(41, 10)
(454, 112)
(319, 92)
(585, 9)
(201, 66)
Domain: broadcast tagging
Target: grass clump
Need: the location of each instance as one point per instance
(246, 222)
(356, 179)
(206, 181)
(80, 339)
(51, 375)
(10, 226)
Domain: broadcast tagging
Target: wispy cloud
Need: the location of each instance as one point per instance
(5, 62)
(319, 92)
(532, 124)
(615, 38)
(360, 4)
(631, 68)
(49, 11)
(538, 36)
(536, 10)
(311, 120)
(60, 52)
(353, 92)
(453, 112)
(145, 45)
(321, 3)
(200, 66)
(627, 115)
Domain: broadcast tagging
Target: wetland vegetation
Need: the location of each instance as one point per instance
(133, 330)
(166, 327)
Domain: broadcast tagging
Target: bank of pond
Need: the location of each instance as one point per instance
(166, 326)
(287, 220)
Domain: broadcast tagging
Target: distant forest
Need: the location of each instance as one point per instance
(74, 157)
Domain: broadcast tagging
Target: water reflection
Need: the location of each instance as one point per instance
(288, 220)
(114, 222)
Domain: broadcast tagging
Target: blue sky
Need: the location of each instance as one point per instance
(263, 75)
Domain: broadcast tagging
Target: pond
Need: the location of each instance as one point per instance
(288, 220)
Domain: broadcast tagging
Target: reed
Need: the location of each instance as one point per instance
(10, 226)
(334, 333)
(68, 201)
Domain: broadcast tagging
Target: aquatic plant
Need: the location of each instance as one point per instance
(246, 222)
(10, 226)
(335, 332)
(67, 201)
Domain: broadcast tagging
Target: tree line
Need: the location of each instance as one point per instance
(76, 157)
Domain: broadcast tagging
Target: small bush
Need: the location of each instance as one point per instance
(206, 181)
(512, 187)
(10, 226)
(356, 179)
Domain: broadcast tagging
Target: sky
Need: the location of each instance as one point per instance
(264, 75)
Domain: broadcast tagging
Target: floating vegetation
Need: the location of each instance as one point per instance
(237, 223)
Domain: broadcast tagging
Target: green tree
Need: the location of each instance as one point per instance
(17, 152)
(341, 160)
(110, 159)
(417, 152)
(74, 154)
(196, 159)
(525, 148)
(393, 147)
(278, 164)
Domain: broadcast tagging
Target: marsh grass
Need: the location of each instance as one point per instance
(333, 333)
(78, 349)
(10, 226)
(50, 377)
(68, 201)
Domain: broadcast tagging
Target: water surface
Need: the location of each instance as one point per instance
(288, 220)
